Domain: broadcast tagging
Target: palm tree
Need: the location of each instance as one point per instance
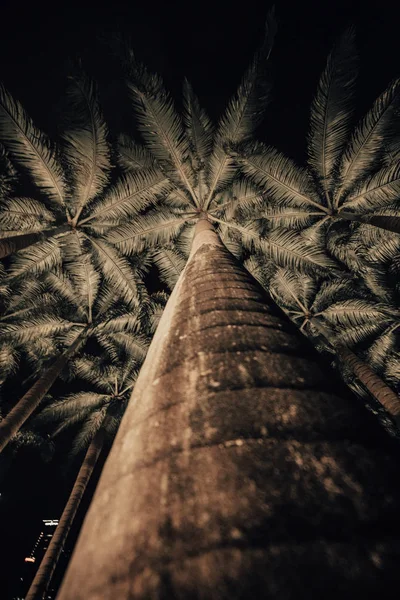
(76, 204)
(88, 313)
(98, 414)
(236, 459)
(193, 157)
(341, 316)
(42, 578)
(352, 175)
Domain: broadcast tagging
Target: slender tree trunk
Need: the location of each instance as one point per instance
(14, 243)
(367, 376)
(17, 416)
(239, 471)
(42, 579)
(390, 223)
(374, 384)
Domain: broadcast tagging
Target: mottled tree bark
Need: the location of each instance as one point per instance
(14, 243)
(390, 223)
(17, 416)
(42, 579)
(238, 470)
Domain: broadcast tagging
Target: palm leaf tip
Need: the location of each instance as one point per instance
(331, 110)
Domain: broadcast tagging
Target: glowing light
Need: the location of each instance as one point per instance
(49, 522)
(30, 559)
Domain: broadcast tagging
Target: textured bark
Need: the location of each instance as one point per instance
(238, 471)
(390, 223)
(42, 579)
(17, 416)
(374, 384)
(18, 242)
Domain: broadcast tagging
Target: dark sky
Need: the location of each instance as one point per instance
(211, 44)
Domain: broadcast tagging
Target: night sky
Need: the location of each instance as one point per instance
(210, 43)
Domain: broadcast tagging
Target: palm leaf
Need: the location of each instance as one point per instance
(36, 259)
(170, 264)
(30, 148)
(117, 271)
(161, 126)
(378, 190)
(132, 155)
(366, 146)
(272, 172)
(156, 228)
(86, 150)
(331, 110)
(134, 191)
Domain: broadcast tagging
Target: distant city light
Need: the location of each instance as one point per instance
(50, 522)
(30, 559)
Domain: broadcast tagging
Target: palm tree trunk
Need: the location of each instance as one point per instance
(14, 243)
(239, 470)
(374, 384)
(49, 562)
(17, 416)
(367, 376)
(390, 223)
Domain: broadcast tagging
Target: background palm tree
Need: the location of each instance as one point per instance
(338, 314)
(88, 312)
(97, 414)
(64, 224)
(353, 176)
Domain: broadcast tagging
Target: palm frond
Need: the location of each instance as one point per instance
(161, 126)
(132, 155)
(286, 249)
(36, 259)
(272, 172)
(117, 271)
(24, 214)
(294, 290)
(242, 198)
(75, 403)
(376, 191)
(158, 227)
(88, 430)
(350, 336)
(133, 192)
(334, 291)
(199, 128)
(367, 144)
(170, 263)
(392, 370)
(28, 331)
(30, 148)
(331, 110)
(86, 150)
(380, 350)
(353, 312)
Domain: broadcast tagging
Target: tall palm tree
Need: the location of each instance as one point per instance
(98, 414)
(89, 312)
(193, 156)
(335, 312)
(352, 175)
(239, 469)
